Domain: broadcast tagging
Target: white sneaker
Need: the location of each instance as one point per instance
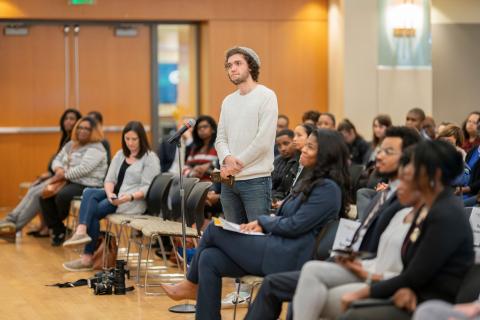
(230, 300)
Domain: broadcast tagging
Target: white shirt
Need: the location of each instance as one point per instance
(389, 261)
(247, 129)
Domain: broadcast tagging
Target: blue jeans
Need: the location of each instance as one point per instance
(94, 207)
(247, 199)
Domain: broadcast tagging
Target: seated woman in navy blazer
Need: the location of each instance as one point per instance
(289, 242)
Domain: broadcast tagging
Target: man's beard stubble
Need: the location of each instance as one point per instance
(387, 175)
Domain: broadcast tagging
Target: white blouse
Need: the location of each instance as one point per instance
(388, 261)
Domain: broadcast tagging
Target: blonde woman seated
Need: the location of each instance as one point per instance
(82, 163)
(130, 174)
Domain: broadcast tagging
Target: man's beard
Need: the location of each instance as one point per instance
(387, 175)
(239, 80)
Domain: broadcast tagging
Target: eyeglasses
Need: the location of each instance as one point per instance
(84, 128)
(205, 126)
(387, 151)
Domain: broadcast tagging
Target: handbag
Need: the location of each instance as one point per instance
(111, 252)
(51, 189)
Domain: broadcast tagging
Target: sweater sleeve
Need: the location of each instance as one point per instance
(265, 137)
(57, 161)
(114, 168)
(221, 143)
(434, 250)
(322, 205)
(90, 161)
(151, 169)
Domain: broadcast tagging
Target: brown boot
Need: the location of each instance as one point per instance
(182, 290)
(7, 231)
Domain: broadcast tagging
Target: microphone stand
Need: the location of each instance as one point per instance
(184, 307)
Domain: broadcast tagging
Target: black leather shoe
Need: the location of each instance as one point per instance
(57, 239)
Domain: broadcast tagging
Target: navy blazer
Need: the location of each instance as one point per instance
(292, 233)
(380, 222)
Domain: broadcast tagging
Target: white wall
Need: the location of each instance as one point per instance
(365, 89)
(360, 77)
(455, 56)
(455, 11)
(400, 90)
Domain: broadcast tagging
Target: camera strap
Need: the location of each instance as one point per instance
(78, 283)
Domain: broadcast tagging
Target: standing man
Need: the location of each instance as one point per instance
(245, 139)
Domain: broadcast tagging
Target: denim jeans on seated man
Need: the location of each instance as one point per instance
(246, 199)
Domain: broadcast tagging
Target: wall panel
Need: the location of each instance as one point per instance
(32, 77)
(115, 74)
(293, 55)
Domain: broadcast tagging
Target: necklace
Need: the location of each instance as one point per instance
(416, 231)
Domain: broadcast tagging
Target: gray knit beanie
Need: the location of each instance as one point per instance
(247, 51)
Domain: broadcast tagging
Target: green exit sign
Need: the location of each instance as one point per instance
(81, 2)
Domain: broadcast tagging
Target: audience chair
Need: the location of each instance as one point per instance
(73, 215)
(155, 198)
(355, 171)
(253, 282)
(194, 212)
(175, 203)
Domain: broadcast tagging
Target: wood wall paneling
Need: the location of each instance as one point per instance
(115, 74)
(32, 77)
(176, 10)
(293, 58)
(114, 79)
(24, 157)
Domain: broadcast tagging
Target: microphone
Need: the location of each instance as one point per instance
(176, 136)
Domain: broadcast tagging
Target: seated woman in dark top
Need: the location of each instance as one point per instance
(438, 248)
(203, 159)
(128, 178)
(356, 144)
(290, 240)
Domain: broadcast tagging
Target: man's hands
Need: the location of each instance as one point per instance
(251, 227)
(231, 167)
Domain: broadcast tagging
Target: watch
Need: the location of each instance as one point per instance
(132, 197)
(368, 281)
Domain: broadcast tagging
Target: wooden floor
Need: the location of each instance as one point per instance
(30, 264)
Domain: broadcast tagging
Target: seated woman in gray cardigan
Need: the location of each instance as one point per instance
(82, 163)
(320, 197)
(128, 179)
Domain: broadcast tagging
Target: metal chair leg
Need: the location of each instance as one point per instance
(139, 260)
(236, 299)
(146, 263)
(162, 249)
(175, 252)
(105, 247)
